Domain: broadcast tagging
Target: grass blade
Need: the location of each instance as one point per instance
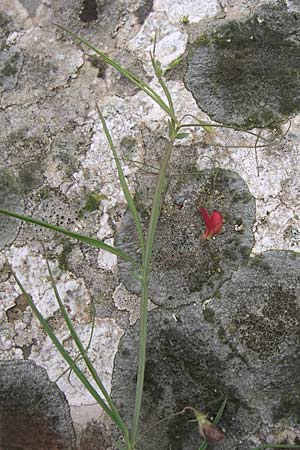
(155, 212)
(79, 237)
(130, 76)
(158, 72)
(216, 420)
(82, 350)
(123, 182)
(46, 327)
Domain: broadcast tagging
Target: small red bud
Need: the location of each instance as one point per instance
(206, 429)
(211, 433)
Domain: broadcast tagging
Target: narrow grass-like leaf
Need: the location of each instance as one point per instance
(48, 330)
(130, 76)
(123, 182)
(174, 63)
(79, 237)
(216, 420)
(182, 135)
(155, 212)
(82, 350)
(158, 72)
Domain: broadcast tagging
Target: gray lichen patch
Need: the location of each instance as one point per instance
(186, 365)
(33, 411)
(144, 10)
(55, 210)
(261, 307)
(93, 17)
(258, 313)
(10, 65)
(246, 73)
(185, 267)
(10, 198)
(248, 353)
(95, 437)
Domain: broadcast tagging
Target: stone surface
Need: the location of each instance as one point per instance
(56, 165)
(33, 412)
(242, 345)
(10, 197)
(185, 267)
(244, 72)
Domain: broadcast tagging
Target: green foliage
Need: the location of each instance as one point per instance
(185, 19)
(92, 203)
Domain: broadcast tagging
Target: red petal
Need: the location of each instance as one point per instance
(213, 223)
(216, 222)
(205, 216)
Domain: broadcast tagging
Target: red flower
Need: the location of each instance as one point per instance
(213, 223)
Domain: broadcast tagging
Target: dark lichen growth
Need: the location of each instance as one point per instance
(30, 176)
(245, 73)
(203, 39)
(88, 11)
(259, 262)
(98, 64)
(221, 334)
(262, 306)
(245, 251)
(34, 413)
(10, 68)
(63, 257)
(186, 268)
(288, 408)
(11, 199)
(144, 10)
(278, 318)
(186, 366)
(209, 314)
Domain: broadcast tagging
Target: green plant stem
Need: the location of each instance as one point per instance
(83, 352)
(130, 76)
(156, 207)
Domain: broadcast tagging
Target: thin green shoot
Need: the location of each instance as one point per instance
(79, 237)
(159, 72)
(89, 342)
(48, 330)
(130, 76)
(216, 420)
(79, 357)
(123, 182)
(83, 353)
(209, 126)
(255, 153)
(155, 213)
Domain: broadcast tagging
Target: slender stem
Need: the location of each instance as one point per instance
(156, 207)
(130, 76)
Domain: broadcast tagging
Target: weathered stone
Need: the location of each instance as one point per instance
(34, 413)
(10, 198)
(245, 72)
(186, 268)
(187, 365)
(243, 345)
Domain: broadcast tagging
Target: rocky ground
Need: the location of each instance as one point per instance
(225, 314)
